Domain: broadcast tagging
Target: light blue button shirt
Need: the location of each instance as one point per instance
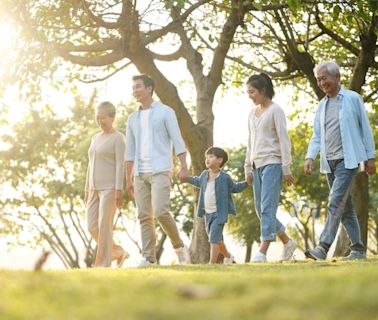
(356, 134)
(164, 132)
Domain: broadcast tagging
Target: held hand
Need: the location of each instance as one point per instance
(183, 174)
(370, 167)
(119, 198)
(130, 189)
(249, 179)
(289, 179)
(308, 167)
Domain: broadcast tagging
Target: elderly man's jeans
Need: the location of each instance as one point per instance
(340, 207)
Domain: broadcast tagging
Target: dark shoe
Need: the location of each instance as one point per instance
(355, 255)
(318, 253)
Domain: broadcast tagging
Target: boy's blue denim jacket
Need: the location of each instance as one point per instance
(224, 186)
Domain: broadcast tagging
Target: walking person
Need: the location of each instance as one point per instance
(343, 136)
(104, 185)
(151, 132)
(268, 159)
(215, 201)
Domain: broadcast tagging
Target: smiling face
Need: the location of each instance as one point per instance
(255, 95)
(140, 92)
(329, 83)
(104, 121)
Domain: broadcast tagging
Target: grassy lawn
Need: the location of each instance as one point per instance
(295, 290)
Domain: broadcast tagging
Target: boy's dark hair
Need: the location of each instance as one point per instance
(147, 81)
(219, 153)
(263, 83)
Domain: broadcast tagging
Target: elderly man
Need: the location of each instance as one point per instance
(344, 137)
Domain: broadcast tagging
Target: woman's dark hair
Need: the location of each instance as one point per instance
(263, 83)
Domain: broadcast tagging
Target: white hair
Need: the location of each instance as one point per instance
(332, 67)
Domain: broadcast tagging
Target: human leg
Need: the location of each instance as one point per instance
(142, 187)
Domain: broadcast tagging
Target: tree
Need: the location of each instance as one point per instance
(44, 171)
(307, 33)
(107, 33)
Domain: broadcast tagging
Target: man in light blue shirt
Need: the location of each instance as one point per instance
(151, 132)
(343, 136)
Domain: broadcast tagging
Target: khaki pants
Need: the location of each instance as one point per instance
(152, 193)
(101, 208)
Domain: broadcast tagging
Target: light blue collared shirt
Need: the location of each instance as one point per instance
(356, 134)
(164, 132)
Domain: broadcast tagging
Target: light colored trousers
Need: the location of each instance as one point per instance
(101, 208)
(152, 194)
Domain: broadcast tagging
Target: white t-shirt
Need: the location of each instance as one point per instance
(145, 161)
(210, 199)
(334, 146)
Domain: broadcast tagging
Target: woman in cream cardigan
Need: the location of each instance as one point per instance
(104, 185)
(267, 162)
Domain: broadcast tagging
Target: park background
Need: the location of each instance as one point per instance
(60, 59)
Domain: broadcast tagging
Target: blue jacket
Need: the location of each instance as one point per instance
(164, 132)
(356, 134)
(224, 186)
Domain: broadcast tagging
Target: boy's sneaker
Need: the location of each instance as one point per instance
(318, 253)
(183, 255)
(355, 255)
(288, 250)
(259, 257)
(122, 259)
(145, 263)
(229, 260)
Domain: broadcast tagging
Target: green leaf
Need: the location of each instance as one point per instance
(336, 12)
(294, 4)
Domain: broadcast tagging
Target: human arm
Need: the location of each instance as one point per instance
(314, 145)
(279, 119)
(130, 178)
(184, 172)
(367, 137)
(247, 162)
(120, 146)
(236, 187)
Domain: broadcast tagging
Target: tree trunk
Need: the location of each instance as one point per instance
(160, 246)
(248, 252)
(199, 247)
(360, 196)
(343, 244)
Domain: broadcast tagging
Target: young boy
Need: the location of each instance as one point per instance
(215, 201)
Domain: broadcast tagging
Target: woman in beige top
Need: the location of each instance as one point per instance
(104, 185)
(267, 161)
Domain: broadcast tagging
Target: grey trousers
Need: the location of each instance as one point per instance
(152, 194)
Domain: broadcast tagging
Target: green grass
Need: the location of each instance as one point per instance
(298, 290)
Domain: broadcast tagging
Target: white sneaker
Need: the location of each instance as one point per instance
(122, 259)
(229, 260)
(145, 263)
(259, 257)
(183, 255)
(288, 250)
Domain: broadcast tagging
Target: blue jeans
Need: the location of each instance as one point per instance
(340, 207)
(213, 228)
(267, 182)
